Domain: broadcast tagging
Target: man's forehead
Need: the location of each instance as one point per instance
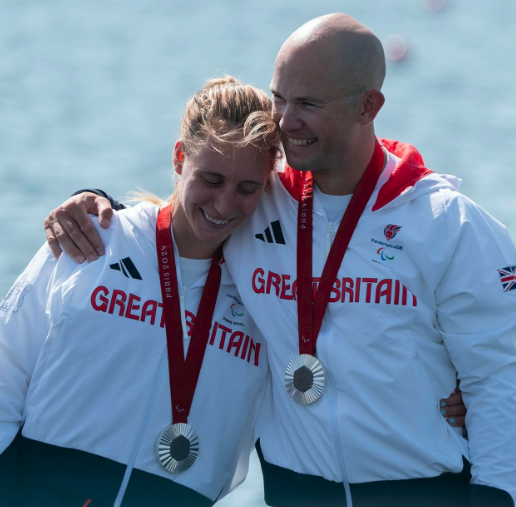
(301, 82)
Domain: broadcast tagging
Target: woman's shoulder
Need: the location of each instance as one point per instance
(133, 227)
(141, 216)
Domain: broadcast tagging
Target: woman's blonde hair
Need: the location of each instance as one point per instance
(223, 108)
(226, 113)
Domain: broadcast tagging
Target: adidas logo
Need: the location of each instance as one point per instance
(274, 236)
(127, 267)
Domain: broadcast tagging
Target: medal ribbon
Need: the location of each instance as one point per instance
(183, 374)
(310, 306)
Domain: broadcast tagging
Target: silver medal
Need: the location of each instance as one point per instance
(177, 447)
(304, 379)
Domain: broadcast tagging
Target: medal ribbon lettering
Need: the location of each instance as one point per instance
(311, 311)
(183, 375)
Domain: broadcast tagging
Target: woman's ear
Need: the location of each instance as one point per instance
(178, 157)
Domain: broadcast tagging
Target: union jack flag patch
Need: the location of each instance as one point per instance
(508, 278)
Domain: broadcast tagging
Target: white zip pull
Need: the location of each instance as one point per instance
(182, 310)
(132, 460)
(329, 236)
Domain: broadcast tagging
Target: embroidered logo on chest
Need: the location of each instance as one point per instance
(385, 250)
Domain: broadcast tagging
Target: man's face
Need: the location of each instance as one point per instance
(316, 117)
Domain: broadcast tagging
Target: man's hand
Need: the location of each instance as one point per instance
(70, 227)
(454, 410)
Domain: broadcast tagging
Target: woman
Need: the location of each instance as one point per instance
(85, 349)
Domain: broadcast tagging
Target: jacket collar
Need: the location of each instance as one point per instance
(408, 171)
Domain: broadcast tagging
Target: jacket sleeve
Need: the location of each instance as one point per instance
(23, 329)
(116, 205)
(476, 316)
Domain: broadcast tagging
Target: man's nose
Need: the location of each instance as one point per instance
(288, 118)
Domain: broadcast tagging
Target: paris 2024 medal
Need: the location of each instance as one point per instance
(305, 379)
(177, 447)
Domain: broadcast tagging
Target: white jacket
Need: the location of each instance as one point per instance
(408, 310)
(83, 360)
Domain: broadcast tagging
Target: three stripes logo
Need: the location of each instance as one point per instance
(272, 234)
(127, 267)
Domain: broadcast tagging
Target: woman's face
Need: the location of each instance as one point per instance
(217, 193)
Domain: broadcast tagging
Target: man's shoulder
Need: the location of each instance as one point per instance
(274, 219)
(131, 230)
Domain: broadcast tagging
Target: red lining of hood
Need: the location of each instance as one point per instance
(407, 173)
(292, 181)
(409, 170)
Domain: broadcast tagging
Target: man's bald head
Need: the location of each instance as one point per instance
(353, 52)
(326, 95)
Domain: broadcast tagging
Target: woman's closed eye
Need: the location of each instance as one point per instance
(211, 181)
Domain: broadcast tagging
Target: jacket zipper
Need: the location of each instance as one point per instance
(329, 236)
(332, 391)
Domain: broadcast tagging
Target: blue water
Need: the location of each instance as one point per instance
(91, 94)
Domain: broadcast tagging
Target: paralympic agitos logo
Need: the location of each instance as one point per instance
(237, 310)
(386, 250)
(383, 255)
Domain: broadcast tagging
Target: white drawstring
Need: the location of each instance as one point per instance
(130, 465)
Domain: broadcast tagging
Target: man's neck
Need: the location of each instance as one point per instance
(341, 182)
(344, 180)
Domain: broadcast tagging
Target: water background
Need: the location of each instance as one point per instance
(91, 94)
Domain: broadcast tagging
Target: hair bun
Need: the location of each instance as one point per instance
(221, 81)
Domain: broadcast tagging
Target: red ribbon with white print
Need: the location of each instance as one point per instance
(183, 374)
(311, 308)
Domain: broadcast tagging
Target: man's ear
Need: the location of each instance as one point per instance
(372, 102)
(178, 157)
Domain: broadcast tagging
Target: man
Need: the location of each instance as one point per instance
(365, 338)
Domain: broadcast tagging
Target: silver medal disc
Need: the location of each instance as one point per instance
(304, 379)
(177, 447)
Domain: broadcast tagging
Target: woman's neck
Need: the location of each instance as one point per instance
(188, 244)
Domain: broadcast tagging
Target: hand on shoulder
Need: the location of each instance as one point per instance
(68, 227)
